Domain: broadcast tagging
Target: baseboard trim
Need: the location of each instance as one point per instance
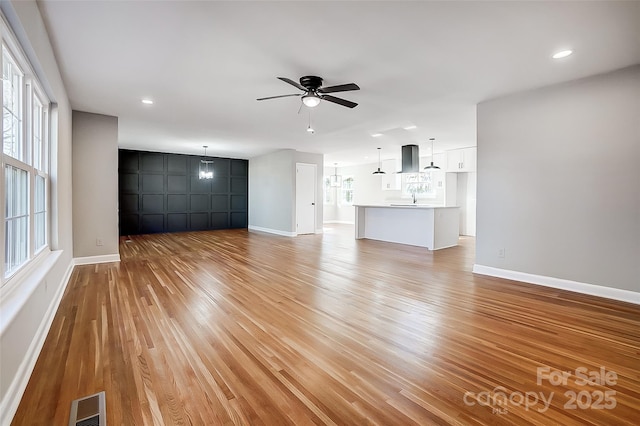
(272, 231)
(9, 405)
(90, 260)
(559, 283)
(344, 222)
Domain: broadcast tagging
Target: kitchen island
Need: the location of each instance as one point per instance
(433, 227)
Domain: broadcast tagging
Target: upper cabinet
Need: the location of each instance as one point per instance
(462, 160)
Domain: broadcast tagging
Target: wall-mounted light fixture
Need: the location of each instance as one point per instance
(205, 172)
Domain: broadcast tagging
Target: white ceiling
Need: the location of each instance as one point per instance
(427, 64)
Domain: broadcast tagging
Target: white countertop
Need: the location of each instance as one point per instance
(406, 206)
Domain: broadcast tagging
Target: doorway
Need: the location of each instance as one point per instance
(306, 178)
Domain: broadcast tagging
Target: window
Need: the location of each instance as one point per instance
(12, 140)
(347, 191)
(328, 191)
(38, 117)
(24, 179)
(16, 218)
(420, 184)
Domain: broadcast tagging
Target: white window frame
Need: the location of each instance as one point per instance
(30, 90)
(344, 191)
(19, 112)
(43, 170)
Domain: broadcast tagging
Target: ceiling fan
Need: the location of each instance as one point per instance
(314, 92)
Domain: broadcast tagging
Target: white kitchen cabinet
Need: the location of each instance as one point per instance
(462, 160)
(391, 180)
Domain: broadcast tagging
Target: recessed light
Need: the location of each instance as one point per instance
(562, 54)
(147, 101)
(410, 127)
(376, 135)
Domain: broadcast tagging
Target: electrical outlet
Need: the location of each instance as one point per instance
(501, 253)
(99, 241)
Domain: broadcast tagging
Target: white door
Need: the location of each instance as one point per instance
(305, 198)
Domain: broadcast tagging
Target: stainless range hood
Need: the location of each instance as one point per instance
(410, 159)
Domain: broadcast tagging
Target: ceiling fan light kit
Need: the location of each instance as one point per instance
(311, 85)
(311, 100)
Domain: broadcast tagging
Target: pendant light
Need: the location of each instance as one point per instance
(379, 171)
(431, 166)
(205, 173)
(335, 179)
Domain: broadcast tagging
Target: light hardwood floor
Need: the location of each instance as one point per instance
(236, 327)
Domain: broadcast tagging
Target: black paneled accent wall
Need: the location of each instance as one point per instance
(161, 192)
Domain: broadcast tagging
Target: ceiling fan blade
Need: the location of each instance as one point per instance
(293, 83)
(339, 88)
(339, 101)
(279, 96)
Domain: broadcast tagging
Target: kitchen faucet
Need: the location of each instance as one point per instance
(414, 197)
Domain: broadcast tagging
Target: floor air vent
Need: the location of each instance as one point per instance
(88, 411)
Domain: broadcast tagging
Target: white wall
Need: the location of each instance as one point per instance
(271, 192)
(272, 195)
(95, 186)
(27, 314)
(559, 181)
